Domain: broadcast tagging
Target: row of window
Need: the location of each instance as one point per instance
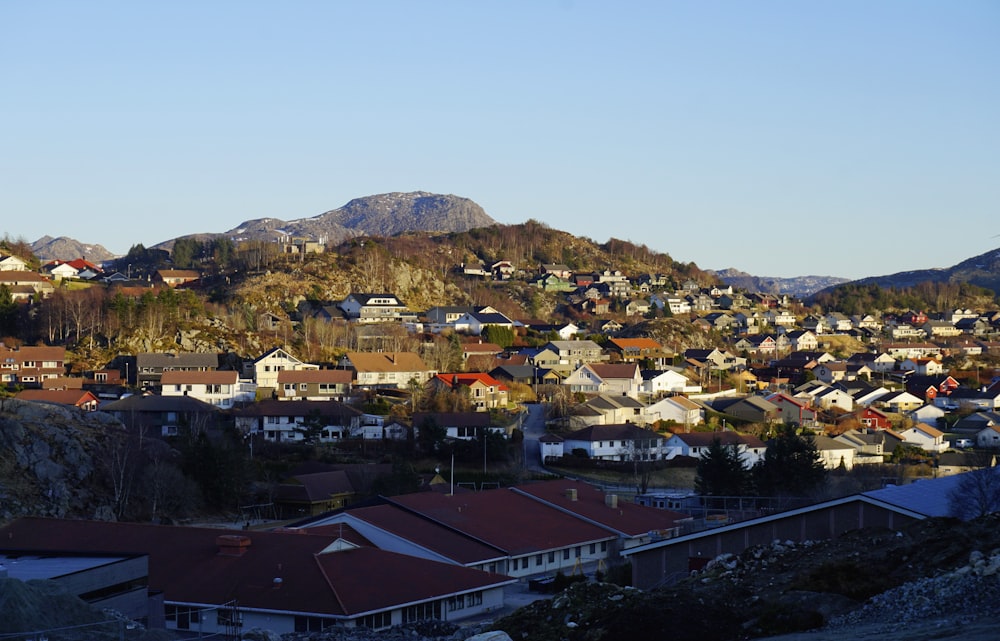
(463, 601)
(577, 553)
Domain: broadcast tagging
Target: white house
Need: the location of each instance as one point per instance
(624, 442)
(678, 409)
(926, 437)
(375, 308)
(296, 421)
(922, 366)
(622, 379)
(928, 413)
(267, 366)
(669, 381)
(899, 402)
(827, 397)
(989, 437)
(219, 388)
(750, 449)
(474, 322)
(834, 453)
(12, 263)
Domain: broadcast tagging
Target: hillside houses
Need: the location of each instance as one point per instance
(30, 366)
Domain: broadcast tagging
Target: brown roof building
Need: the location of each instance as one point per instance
(285, 581)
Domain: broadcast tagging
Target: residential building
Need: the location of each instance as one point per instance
(622, 442)
(314, 384)
(475, 321)
(677, 409)
(926, 437)
(25, 285)
(220, 388)
(606, 409)
(755, 409)
(793, 411)
(164, 415)
(632, 350)
(467, 426)
(29, 366)
(175, 277)
(150, 366)
(656, 383)
(387, 369)
(485, 392)
(834, 454)
(269, 365)
(375, 308)
(620, 379)
(78, 398)
(572, 354)
(899, 402)
(298, 421)
(750, 449)
(10, 263)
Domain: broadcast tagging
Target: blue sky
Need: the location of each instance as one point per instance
(846, 138)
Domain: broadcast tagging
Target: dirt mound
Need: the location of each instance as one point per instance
(28, 606)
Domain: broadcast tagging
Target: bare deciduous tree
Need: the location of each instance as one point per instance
(976, 494)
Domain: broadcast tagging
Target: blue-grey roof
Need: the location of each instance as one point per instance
(927, 496)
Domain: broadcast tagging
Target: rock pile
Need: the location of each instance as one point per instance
(953, 599)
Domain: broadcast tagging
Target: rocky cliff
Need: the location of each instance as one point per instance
(56, 461)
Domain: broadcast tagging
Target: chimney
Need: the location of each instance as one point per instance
(232, 544)
(571, 494)
(611, 500)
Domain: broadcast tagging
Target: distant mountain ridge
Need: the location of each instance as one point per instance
(48, 249)
(379, 215)
(982, 270)
(798, 286)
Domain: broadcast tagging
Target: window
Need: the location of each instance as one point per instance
(552, 557)
(303, 386)
(182, 615)
(538, 559)
(312, 624)
(578, 551)
(422, 612)
(566, 554)
(376, 621)
(604, 546)
(593, 548)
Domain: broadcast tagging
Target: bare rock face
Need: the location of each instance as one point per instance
(63, 248)
(379, 215)
(51, 458)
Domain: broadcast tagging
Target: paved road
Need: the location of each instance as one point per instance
(533, 428)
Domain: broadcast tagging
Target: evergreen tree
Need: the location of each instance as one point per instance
(8, 312)
(721, 472)
(502, 336)
(791, 466)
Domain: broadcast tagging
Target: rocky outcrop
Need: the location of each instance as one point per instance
(62, 248)
(51, 459)
(379, 215)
